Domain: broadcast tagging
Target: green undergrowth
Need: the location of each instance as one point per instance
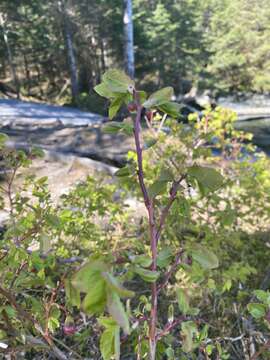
(76, 277)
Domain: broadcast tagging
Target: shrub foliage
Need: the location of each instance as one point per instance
(182, 276)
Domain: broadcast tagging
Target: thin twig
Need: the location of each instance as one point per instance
(165, 211)
(170, 326)
(24, 315)
(137, 126)
(266, 346)
(171, 271)
(162, 123)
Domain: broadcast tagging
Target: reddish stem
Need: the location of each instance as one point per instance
(170, 326)
(154, 230)
(137, 127)
(152, 226)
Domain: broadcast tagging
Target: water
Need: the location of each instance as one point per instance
(260, 128)
(253, 113)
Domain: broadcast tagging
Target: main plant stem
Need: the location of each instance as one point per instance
(152, 229)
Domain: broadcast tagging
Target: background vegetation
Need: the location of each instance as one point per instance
(211, 44)
(182, 274)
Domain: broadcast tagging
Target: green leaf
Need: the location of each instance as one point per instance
(143, 96)
(124, 171)
(95, 299)
(170, 313)
(55, 312)
(227, 285)
(11, 312)
(165, 175)
(38, 152)
(88, 275)
(164, 257)
(142, 260)
(149, 143)
(93, 308)
(110, 339)
(115, 106)
(160, 185)
(170, 108)
(206, 258)
(170, 353)
(127, 98)
(157, 188)
(263, 296)
(183, 300)
(127, 128)
(117, 311)
(159, 97)
(189, 329)
(118, 81)
(103, 90)
(117, 343)
(112, 127)
(53, 324)
(107, 322)
(53, 220)
(107, 343)
(3, 139)
(207, 177)
(115, 285)
(193, 311)
(147, 275)
(72, 294)
(209, 349)
(3, 335)
(204, 332)
(257, 310)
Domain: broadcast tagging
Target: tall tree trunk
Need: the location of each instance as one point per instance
(70, 51)
(39, 80)
(27, 74)
(129, 41)
(10, 57)
(96, 69)
(103, 63)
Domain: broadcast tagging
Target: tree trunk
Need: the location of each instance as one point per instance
(39, 80)
(128, 38)
(27, 74)
(10, 57)
(70, 52)
(103, 62)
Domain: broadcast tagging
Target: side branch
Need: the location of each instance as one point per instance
(165, 211)
(172, 270)
(24, 315)
(170, 326)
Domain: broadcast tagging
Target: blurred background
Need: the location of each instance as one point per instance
(56, 51)
(213, 52)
